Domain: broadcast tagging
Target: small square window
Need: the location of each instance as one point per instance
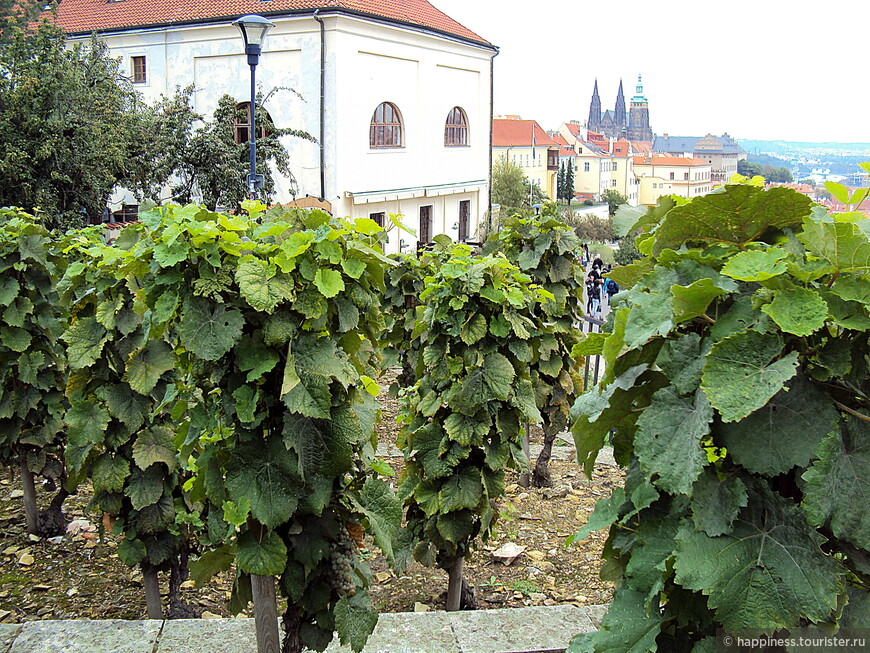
(139, 70)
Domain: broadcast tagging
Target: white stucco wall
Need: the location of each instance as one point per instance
(367, 63)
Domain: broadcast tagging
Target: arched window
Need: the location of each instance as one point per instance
(456, 128)
(242, 123)
(386, 127)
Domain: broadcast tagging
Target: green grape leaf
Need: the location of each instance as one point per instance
(651, 551)
(246, 399)
(668, 439)
(492, 380)
(264, 472)
(9, 289)
(383, 513)
(146, 365)
(109, 472)
(756, 264)
(255, 358)
(462, 490)
(209, 331)
(328, 282)
(145, 486)
(800, 311)
(306, 394)
(682, 360)
(605, 514)
(348, 315)
(841, 244)
(736, 216)
(87, 422)
(852, 287)
(628, 626)
(211, 563)
(836, 494)
(85, 339)
(787, 428)
(156, 518)
(467, 431)
(130, 408)
(265, 557)
(322, 449)
(691, 301)
(455, 527)
(650, 315)
(131, 552)
(18, 340)
(260, 286)
(742, 373)
(716, 503)
(768, 572)
(355, 619)
(29, 366)
(474, 329)
(155, 445)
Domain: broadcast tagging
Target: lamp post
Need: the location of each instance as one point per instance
(254, 29)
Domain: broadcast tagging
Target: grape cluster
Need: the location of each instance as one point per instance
(342, 555)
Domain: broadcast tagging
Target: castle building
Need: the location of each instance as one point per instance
(613, 124)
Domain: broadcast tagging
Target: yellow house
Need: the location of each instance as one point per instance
(671, 175)
(527, 145)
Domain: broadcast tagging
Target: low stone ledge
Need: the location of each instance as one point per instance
(79, 636)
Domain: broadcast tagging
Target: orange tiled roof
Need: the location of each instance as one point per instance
(514, 133)
(668, 161)
(82, 16)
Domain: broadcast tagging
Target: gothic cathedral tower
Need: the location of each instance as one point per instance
(638, 116)
(594, 123)
(619, 110)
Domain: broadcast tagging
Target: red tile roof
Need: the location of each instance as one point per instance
(668, 161)
(83, 16)
(513, 133)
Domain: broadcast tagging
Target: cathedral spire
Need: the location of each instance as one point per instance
(619, 112)
(594, 122)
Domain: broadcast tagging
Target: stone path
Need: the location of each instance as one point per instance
(514, 630)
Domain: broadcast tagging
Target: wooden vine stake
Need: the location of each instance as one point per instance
(151, 585)
(265, 613)
(31, 511)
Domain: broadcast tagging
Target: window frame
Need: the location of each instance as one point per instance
(139, 73)
(239, 126)
(456, 133)
(380, 127)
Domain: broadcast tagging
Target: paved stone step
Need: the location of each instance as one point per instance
(514, 630)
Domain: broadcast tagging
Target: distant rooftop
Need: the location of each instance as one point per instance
(726, 145)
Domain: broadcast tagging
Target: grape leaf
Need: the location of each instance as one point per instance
(9, 289)
(691, 301)
(264, 472)
(650, 315)
(652, 549)
(756, 264)
(146, 365)
(109, 472)
(125, 405)
(259, 284)
(328, 282)
(265, 557)
(461, 490)
(742, 373)
(155, 445)
(492, 380)
(715, 502)
(145, 486)
(769, 572)
(628, 627)
(155, 518)
(668, 439)
(321, 449)
(605, 514)
(788, 428)
(209, 331)
(841, 244)
(474, 329)
(85, 339)
(736, 216)
(255, 358)
(355, 619)
(682, 360)
(87, 421)
(383, 512)
(800, 311)
(131, 552)
(836, 492)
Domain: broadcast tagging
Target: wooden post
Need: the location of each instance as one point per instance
(525, 479)
(151, 583)
(31, 511)
(265, 613)
(454, 585)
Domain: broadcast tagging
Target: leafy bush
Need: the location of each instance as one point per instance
(736, 381)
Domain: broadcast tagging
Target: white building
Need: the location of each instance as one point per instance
(399, 95)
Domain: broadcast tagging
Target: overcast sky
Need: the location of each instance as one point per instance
(795, 70)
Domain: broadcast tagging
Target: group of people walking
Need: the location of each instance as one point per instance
(599, 289)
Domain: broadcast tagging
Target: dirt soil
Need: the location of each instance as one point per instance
(79, 576)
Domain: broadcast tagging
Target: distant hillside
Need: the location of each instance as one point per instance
(792, 149)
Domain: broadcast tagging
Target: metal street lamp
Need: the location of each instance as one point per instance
(254, 29)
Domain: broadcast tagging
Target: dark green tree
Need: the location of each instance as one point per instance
(560, 181)
(569, 182)
(510, 188)
(67, 119)
(17, 14)
(614, 200)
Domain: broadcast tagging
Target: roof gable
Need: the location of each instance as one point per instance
(518, 133)
(82, 16)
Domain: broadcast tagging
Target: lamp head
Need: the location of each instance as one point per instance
(254, 29)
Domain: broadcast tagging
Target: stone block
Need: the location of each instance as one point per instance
(74, 636)
(8, 633)
(408, 632)
(212, 635)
